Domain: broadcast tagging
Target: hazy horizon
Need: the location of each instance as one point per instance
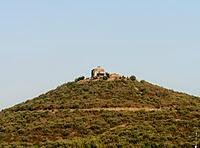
(44, 44)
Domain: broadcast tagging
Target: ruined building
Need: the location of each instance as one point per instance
(98, 72)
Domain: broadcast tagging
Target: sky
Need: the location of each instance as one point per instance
(44, 44)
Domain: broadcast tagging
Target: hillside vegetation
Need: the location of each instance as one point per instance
(121, 113)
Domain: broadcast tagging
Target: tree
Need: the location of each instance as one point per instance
(79, 79)
(133, 78)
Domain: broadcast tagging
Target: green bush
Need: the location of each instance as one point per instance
(133, 78)
(79, 79)
(105, 78)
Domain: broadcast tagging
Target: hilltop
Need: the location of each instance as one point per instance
(101, 113)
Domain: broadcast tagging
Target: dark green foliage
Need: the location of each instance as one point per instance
(79, 79)
(143, 81)
(107, 75)
(54, 119)
(105, 78)
(133, 78)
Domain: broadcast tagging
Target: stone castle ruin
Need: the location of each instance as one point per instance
(100, 73)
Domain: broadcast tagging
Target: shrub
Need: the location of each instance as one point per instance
(142, 81)
(133, 78)
(105, 78)
(79, 79)
(108, 75)
(2, 129)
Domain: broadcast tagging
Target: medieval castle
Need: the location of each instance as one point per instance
(100, 73)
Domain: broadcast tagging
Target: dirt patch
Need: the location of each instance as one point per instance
(117, 109)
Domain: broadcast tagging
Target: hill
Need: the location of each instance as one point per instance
(120, 113)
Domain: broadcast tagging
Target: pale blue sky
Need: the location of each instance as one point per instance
(44, 43)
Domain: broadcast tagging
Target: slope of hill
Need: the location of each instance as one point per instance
(120, 113)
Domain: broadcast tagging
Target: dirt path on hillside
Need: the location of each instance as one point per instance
(117, 109)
